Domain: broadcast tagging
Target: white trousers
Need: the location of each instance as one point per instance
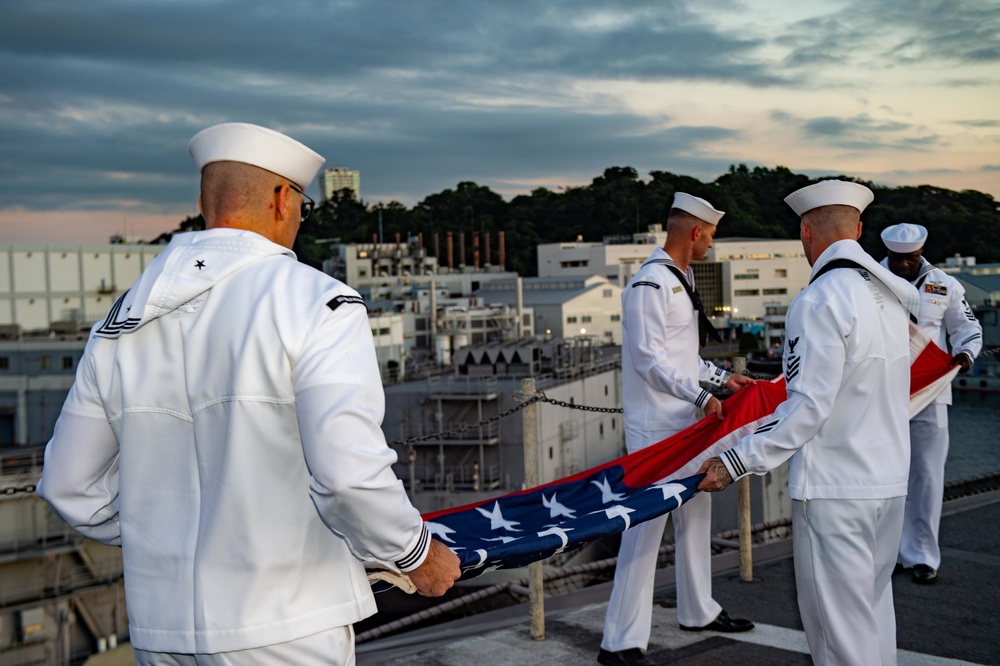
(845, 551)
(327, 648)
(925, 491)
(630, 610)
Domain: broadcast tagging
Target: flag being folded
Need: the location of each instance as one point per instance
(530, 525)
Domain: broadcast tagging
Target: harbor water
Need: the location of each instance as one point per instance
(974, 430)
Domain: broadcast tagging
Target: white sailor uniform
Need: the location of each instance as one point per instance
(946, 318)
(661, 370)
(224, 429)
(843, 425)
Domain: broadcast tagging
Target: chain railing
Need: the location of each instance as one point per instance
(524, 402)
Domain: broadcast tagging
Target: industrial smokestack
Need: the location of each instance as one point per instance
(475, 249)
(451, 247)
(461, 249)
(502, 259)
(487, 262)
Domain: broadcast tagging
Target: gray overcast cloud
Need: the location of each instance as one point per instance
(98, 99)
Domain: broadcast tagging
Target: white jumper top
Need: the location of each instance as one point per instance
(661, 367)
(224, 429)
(945, 316)
(847, 367)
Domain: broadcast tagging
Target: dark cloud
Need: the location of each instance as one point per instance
(981, 123)
(890, 33)
(416, 95)
(98, 99)
(860, 133)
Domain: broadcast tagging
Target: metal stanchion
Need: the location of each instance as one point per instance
(529, 424)
(743, 506)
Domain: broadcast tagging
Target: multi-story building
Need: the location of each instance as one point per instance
(66, 287)
(755, 273)
(444, 465)
(737, 279)
(617, 258)
(564, 307)
(336, 179)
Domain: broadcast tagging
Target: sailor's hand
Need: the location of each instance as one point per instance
(713, 407)
(963, 360)
(438, 572)
(736, 382)
(717, 477)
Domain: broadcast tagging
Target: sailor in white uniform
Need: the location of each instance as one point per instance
(844, 427)
(946, 318)
(223, 429)
(663, 325)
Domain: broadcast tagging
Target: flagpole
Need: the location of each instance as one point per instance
(529, 424)
(743, 504)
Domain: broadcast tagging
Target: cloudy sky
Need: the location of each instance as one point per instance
(98, 99)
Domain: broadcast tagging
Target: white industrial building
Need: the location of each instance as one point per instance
(757, 273)
(616, 258)
(564, 307)
(738, 278)
(66, 287)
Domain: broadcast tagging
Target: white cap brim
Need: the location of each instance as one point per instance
(258, 146)
(830, 193)
(698, 207)
(904, 238)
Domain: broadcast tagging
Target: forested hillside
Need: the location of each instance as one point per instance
(619, 202)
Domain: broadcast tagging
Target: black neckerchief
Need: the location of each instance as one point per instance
(705, 328)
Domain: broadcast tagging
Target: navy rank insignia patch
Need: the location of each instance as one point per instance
(645, 283)
(936, 289)
(792, 360)
(337, 301)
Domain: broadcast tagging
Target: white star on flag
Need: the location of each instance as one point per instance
(503, 539)
(606, 495)
(555, 508)
(670, 490)
(441, 531)
(619, 511)
(497, 520)
(559, 532)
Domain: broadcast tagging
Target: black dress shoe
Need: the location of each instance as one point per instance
(629, 657)
(924, 574)
(725, 624)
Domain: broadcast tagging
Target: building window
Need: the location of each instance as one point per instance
(67, 362)
(585, 319)
(780, 273)
(616, 317)
(607, 292)
(4, 363)
(775, 292)
(746, 292)
(747, 276)
(570, 320)
(44, 362)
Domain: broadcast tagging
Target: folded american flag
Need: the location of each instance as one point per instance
(530, 525)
